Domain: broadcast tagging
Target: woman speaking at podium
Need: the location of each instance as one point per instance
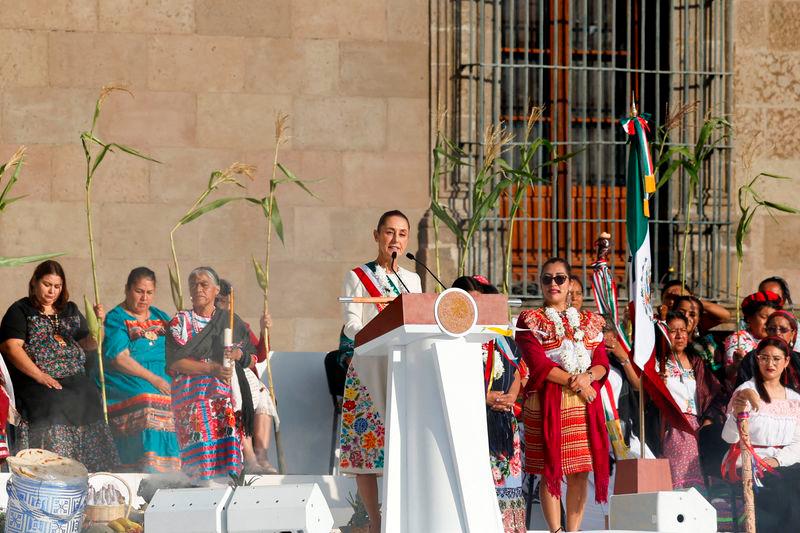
(363, 432)
(565, 430)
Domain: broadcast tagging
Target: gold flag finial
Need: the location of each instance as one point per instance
(634, 111)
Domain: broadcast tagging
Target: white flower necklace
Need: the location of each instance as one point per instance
(499, 370)
(383, 280)
(575, 358)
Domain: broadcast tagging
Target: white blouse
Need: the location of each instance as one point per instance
(356, 316)
(371, 371)
(682, 384)
(774, 428)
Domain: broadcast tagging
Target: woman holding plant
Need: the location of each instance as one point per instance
(138, 386)
(203, 367)
(773, 413)
(45, 336)
(565, 426)
(362, 422)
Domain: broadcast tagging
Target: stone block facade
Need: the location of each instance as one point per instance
(208, 79)
(766, 98)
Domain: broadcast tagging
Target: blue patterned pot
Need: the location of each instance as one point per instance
(36, 506)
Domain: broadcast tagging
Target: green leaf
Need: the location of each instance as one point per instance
(297, 181)
(100, 156)
(175, 287)
(277, 222)
(206, 208)
(261, 275)
(667, 174)
(440, 213)
(134, 152)
(95, 327)
(775, 176)
(781, 207)
(17, 261)
(11, 181)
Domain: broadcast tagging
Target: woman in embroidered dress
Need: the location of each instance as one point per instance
(774, 427)
(698, 394)
(565, 430)
(208, 432)
(44, 337)
(137, 384)
(362, 435)
(502, 382)
(756, 309)
(781, 324)
(255, 447)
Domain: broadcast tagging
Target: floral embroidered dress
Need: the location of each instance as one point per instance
(505, 450)
(205, 423)
(363, 433)
(140, 416)
(67, 421)
(741, 339)
(679, 447)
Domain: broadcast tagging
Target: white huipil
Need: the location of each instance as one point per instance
(774, 428)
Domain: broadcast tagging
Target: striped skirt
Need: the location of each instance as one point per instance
(206, 427)
(144, 432)
(575, 454)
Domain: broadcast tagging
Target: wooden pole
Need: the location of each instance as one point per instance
(747, 474)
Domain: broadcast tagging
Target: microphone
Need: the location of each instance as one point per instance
(396, 273)
(417, 261)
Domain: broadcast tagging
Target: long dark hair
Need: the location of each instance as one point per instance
(778, 343)
(42, 270)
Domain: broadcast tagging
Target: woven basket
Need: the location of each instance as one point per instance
(108, 513)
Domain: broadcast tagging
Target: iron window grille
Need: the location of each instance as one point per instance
(582, 60)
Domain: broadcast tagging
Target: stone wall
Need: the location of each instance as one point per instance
(766, 99)
(209, 78)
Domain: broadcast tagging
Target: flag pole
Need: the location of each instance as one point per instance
(642, 445)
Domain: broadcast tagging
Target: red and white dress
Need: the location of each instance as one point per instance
(563, 434)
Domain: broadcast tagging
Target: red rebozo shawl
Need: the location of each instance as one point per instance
(540, 366)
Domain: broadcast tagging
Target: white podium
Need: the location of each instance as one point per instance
(437, 475)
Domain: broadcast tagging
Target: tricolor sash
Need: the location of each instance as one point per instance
(367, 276)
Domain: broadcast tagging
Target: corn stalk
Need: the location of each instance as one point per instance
(490, 183)
(527, 174)
(750, 202)
(6, 199)
(94, 157)
(200, 207)
(713, 132)
(269, 207)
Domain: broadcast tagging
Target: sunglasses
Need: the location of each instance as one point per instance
(560, 279)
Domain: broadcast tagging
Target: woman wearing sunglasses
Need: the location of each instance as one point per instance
(565, 431)
(781, 324)
(773, 412)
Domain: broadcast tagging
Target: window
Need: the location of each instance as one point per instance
(583, 60)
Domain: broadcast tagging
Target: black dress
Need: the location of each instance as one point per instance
(68, 421)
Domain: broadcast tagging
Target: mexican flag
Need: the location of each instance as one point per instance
(640, 185)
